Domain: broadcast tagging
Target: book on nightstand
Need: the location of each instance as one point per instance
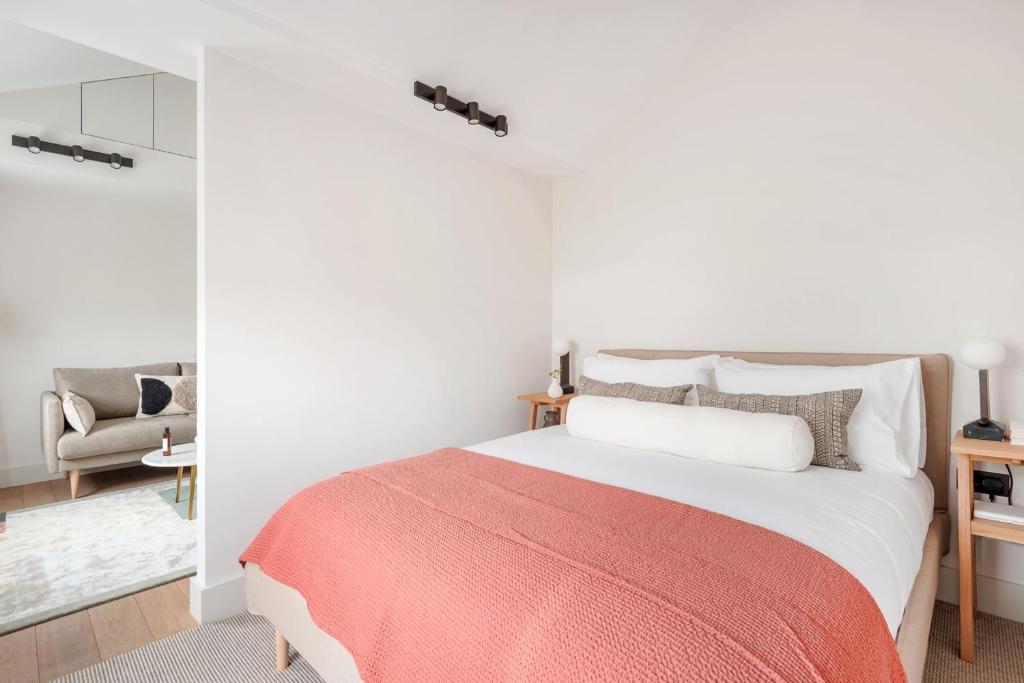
(998, 512)
(1017, 432)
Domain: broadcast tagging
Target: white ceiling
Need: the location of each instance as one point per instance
(33, 59)
(565, 73)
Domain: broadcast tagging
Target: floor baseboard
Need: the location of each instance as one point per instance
(25, 474)
(995, 596)
(220, 601)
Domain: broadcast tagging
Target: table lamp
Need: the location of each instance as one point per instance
(983, 355)
(561, 349)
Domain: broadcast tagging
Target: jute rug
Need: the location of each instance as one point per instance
(64, 557)
(239, 649)
(998, 649)
(242, 649)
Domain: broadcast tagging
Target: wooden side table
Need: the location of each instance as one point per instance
(560, 404)
(969, 451)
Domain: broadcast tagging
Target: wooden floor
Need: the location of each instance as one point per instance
(30, 495)
(54, 648)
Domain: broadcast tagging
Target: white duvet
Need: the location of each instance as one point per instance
(872, 523)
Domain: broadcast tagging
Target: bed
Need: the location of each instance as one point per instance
(890, 541)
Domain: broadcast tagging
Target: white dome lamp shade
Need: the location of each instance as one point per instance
(561, 348)
(983, 355)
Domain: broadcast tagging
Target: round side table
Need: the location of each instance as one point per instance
(182, 456)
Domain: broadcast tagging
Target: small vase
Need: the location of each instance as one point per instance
(555, 390)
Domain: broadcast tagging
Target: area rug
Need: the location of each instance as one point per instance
(67, 556)
(237, 649)
(998, 649)
(181, 507)
(242, 649)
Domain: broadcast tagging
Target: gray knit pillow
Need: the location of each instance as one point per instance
(637, 392)
(827, 414)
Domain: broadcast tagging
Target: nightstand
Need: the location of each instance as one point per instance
(969, 451)
(542, 399)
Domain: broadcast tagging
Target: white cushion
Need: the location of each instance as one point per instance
(78, 412)
(667, 372)
(914, 425)
(730, 437)
(885, 429)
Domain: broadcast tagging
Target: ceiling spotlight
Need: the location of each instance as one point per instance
(78, 153)
(440, 98)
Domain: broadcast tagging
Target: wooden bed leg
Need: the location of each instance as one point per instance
(282, 652)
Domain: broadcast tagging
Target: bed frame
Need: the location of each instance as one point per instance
(286, 609)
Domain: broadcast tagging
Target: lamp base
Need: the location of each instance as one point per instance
(992, 431)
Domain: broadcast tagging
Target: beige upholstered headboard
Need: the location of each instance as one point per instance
(938, 380)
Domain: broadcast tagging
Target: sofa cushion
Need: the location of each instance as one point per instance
(161, 395)
(125, 434)
(111, 392)
(78, 412)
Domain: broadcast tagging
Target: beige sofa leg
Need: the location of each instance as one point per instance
(282, 652)
(67, 474)
(75, 474)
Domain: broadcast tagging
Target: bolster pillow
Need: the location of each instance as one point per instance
(763, 440)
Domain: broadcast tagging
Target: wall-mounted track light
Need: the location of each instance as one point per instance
(470, 111)
(76, 152)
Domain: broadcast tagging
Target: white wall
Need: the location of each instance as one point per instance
(39, 59)
(97, 268)
(155, 111)
(58, 108)
(366, 294)
(838, 176)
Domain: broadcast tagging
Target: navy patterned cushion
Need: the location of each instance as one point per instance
(166, 395)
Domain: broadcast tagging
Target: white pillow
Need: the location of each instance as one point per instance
(731, 437)
(914, 420)
(78, 412)
(666, 372)
(878, 435)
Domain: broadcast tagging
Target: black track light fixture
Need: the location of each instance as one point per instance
(442, 101)
(440, 98)
(76, 152)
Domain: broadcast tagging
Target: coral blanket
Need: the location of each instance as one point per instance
(455, 566)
